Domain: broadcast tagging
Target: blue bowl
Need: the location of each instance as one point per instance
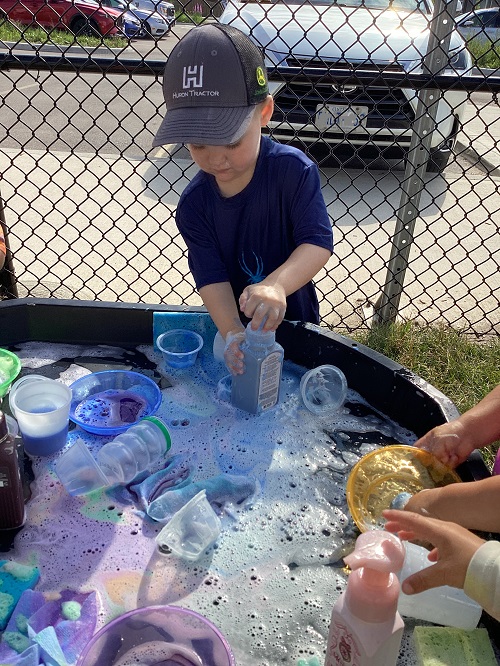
(109, 402)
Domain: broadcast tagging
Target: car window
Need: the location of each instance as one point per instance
(404, 5)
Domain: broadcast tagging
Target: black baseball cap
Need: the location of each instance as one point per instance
(213, 79)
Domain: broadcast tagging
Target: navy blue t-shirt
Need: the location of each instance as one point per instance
(244, 238)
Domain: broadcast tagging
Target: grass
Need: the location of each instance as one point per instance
(460, 367)
(11, 32)
(195, 17)
(485, 54)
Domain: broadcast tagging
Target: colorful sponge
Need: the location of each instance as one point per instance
(447, 646)
(14, 579)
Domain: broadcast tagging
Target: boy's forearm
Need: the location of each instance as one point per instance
(472, 504)
(219, 300)
(300, 267)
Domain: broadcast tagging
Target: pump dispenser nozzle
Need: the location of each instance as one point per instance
(373, 590)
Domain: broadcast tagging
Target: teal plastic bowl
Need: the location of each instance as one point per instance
(10, 367)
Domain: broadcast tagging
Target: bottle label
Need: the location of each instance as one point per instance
(342, 648)
(269, 384)
(5, 481)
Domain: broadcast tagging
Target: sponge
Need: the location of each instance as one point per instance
(447, 646)
(14, 579)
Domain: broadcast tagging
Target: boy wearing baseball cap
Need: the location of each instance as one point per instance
(253, 218)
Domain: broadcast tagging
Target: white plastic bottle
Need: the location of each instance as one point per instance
(366, 628)
(444, 605)
(257, 389)
(134, 450)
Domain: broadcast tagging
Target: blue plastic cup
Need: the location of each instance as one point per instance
(179, 347)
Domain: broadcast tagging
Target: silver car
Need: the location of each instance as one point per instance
(482, 24)
(165, 9)
(375, 35)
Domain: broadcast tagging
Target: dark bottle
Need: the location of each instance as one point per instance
(11, 484)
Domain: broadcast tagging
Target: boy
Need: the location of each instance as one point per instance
(253, 218)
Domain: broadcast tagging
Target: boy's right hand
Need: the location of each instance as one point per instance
(233, 356)
(449, 442)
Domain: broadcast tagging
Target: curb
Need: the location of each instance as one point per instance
(62, 49)
(475, 158)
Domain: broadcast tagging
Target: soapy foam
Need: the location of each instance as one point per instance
(272, 578)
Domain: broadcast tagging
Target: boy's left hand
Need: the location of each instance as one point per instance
(260, 302)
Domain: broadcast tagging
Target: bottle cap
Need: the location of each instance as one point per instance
(259, 337)
(158, 422)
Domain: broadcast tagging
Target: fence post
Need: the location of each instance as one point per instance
(435, 60)
(8, 284)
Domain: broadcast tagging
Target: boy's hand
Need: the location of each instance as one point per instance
(454, 547)
(263, 303)
(233, 356)
(448, 442)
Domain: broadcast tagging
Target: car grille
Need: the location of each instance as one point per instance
(297, 102)
(367, 66)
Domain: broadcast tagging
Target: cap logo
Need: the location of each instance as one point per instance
(192, 77)
(261, 79)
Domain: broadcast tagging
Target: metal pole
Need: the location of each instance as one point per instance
(8, 283)
(435, 60)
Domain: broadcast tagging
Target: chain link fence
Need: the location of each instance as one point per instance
(401, 117)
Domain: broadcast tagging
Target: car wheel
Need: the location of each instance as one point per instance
(440, 156)
(147, 31)
(87, 28)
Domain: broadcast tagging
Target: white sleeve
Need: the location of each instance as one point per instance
(482, 581)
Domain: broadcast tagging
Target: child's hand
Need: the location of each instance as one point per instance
(233, 356)
(448, 442)
(454, 547)
(263, 303)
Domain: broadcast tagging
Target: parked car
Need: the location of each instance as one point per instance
(482, 24)
(79, 16)
(151, 23)
(378, 36)
(165, 9)
(132, 26)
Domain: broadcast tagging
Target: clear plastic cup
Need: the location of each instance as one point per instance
(179, 347)
(191, 530)
(323, 389)
(158, 635)
(78, 471)
(41, 408)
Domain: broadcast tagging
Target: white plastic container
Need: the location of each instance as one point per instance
(258, 388)
(444, 605)
(366, 628)
(135, 450)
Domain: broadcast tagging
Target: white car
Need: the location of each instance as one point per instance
(376, 36)
(482, 24)
(165, 9)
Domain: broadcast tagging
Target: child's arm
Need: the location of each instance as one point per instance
(218, 298)
(267, 299)
(454, 547)
(453, 442)
(472, 505)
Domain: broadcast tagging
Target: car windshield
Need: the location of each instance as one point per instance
(401, 5)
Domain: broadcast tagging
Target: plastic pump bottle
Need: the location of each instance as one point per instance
(257, 389)
(366, 628)
(134, 450)
(12, 513)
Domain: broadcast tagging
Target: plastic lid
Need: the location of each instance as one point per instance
(323, 389)
(382, 475)
(158, 422)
